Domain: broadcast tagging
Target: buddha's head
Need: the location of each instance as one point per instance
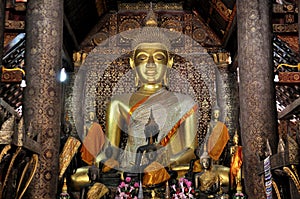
(150, 58)
(93, 173)
(92, 116)
(216, 112)
(205, 160)
(150, 62)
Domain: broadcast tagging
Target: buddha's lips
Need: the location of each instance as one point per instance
(151, 72)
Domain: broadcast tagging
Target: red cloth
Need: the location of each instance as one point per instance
(92, 143)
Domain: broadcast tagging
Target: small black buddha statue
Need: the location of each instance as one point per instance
(151, 132)
(149, 150)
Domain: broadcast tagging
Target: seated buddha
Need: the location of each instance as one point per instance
(127, 114)
(213, 179)
(175, 113)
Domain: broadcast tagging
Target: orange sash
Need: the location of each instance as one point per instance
(217, 140)
(168, 137)
(92, 143)
(133, 108)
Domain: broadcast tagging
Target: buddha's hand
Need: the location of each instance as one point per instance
(110, 164)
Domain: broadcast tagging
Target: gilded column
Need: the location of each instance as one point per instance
(42, 97)
(256, 88)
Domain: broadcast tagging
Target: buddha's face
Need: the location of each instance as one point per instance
(205, 162)
(91, 116)
(150, 61)
(216, 114)
(93, 176)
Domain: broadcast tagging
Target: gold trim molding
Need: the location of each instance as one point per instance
(221, 58)
(146, 6)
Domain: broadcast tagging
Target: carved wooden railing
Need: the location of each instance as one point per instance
(19, 151)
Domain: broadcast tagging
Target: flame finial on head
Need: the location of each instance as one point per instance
(151, 18)
(205, 153)
(151, 33)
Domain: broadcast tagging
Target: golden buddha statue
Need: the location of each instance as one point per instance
(218, 135)
(95, 189)
(213, 180)
(175, 113)
(93, 141)
(236, 163)
(207, 181)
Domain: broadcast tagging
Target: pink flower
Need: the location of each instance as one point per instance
(188, 183)
(136, 185)
(128, 179)
(182, 190)
(122, 194)
(122, 185)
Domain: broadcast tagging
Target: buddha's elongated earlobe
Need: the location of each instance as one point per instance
(131, 62)
(166, 78)
(170, 62)
(136, 80)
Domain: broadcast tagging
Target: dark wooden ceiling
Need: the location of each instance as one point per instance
(82, 16)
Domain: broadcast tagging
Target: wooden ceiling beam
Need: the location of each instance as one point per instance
(71, 32)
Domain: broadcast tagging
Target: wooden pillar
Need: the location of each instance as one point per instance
(258, 117)
(42, 97)
(2, 28)
(298, 28)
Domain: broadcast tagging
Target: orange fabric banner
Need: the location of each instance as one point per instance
(217, 140)
(92, 143)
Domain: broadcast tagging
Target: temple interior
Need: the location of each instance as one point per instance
(149, 99)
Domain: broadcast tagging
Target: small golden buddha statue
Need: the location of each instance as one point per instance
(236, 163)
(208, 180)
(93, 141)
(95, 189)
(218, 135)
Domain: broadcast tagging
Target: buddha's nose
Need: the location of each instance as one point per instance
(150, 62)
